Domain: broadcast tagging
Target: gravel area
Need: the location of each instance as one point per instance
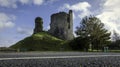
(64, 62)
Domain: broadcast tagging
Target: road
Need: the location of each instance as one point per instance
(60, 59)
(44, 55)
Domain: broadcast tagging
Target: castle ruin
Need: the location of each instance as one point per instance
(38, 25)
(61, 25)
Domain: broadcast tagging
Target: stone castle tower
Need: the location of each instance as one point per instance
(61, 25)
(38, 25)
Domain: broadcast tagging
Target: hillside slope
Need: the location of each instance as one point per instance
(39, 42)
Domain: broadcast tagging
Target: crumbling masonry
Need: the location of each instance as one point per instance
(61, 25)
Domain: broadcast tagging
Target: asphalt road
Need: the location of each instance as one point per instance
(56, 54)
(59, 59)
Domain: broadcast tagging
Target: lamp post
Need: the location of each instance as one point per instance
(90, 45)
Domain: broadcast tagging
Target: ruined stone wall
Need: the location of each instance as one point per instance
(38, 25)
(61, 25)
(70, 36)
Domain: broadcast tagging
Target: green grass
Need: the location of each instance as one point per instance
(105, 51)
(39, 42)
(45, 42)
(114, 50)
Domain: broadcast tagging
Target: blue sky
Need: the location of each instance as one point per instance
(17, 16)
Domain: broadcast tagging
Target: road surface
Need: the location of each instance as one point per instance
(60, 59)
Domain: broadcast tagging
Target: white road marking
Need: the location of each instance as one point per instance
(58, 57)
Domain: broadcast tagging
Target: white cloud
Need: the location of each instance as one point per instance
(35, 2)
(38, 2)
(8, 3)
(26, 31)
(110, 15)
(81, 7)
(6, 21)
(14, 3)
(48, 27)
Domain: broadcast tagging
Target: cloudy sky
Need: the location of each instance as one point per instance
(17, 16)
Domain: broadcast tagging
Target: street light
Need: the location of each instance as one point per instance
(90, 45)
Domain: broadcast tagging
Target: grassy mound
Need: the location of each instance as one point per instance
(39, 42)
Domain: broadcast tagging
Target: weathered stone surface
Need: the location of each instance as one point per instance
(61, 25)
(38, 25)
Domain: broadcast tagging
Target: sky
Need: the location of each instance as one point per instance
(17, 16)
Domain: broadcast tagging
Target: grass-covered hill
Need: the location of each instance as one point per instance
(39, 42)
